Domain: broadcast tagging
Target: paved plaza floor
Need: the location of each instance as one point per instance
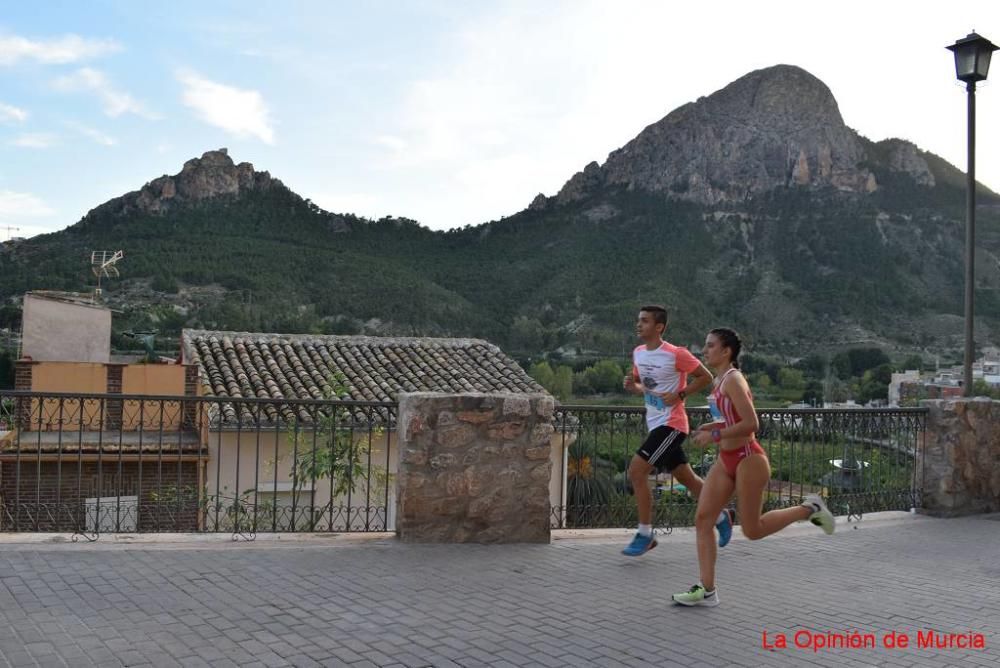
(371, 601)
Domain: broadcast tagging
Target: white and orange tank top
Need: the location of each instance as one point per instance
(663, 369)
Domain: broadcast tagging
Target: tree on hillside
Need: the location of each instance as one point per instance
(875, 383)
(791, 379)
(813, 366)
(543, 374)
(562, 384)
(813, 393)
(558, 381)
(854, 362)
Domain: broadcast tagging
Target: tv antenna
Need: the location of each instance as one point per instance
(102, 263)
(11, 228)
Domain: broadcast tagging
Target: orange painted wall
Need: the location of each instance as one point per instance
(58, 377)
(154, 379)
(92, 378)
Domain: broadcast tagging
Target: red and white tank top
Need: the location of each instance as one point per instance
(721, 406)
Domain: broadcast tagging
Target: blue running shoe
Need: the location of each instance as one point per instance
(725, 527)
(640, 545)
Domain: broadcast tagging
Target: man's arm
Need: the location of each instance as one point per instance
(631, 385)
(701, 378)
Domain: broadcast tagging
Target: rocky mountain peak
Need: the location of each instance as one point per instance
(775, 127)
(212, 175)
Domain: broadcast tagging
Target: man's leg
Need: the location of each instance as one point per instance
(643, 541)
(660, 450)
(638, 473)
(686, 476)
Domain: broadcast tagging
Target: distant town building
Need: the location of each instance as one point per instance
(909, 376)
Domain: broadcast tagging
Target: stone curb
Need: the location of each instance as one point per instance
(312, 540)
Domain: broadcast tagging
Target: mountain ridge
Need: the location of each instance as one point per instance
(781, 220)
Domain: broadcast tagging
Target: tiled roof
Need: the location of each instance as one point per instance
(69, 442)
(299, 366)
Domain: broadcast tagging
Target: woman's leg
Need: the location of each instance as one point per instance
(715, 494)
(752, 476)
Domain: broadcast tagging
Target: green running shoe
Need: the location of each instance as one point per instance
(696, 595)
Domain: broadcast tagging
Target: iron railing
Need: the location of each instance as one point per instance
(861, 460)
(89, 464)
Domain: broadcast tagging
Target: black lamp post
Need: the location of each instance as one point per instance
(972, 63)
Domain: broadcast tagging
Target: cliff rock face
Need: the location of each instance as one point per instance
(212, 175)
(905, 157)
(776, 127)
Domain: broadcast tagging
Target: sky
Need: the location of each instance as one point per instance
(448, 113)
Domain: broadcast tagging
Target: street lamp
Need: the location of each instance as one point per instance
(972, 63)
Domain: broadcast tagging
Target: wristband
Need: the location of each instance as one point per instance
(717, 435)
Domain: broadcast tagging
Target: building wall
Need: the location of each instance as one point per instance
(240, 462)
(59, 331)
(52, 494)
(106, 379)
(59, 377)
(153, 379)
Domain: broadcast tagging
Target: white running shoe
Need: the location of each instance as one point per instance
(821, 516)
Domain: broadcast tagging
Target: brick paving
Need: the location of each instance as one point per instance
(576, 602)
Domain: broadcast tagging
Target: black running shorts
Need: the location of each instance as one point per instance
(662, 449)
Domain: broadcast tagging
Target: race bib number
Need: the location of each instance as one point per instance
(713, 409)
(655, 401)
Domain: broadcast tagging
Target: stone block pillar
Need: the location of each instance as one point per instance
(474, 468)
(960, 460)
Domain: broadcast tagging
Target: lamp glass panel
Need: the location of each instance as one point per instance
(965, 62)
(983, 63)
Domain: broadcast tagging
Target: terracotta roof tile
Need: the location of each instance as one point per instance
(299, 366)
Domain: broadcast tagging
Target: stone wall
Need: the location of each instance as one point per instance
(960, 461)
(474, 468)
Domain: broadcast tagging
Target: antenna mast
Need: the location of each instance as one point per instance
(102, 263)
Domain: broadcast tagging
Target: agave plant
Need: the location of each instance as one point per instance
(588, 487)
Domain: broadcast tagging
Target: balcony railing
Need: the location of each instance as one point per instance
(126, 463)
(861, 460)
(111, 463)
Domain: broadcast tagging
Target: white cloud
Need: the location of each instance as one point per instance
(392, 143)
(526, 94)
(114, 101)
(34, 140)
(238, 111)
(58, 51)
(15, 204)
(98, 136)
(11, 113)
